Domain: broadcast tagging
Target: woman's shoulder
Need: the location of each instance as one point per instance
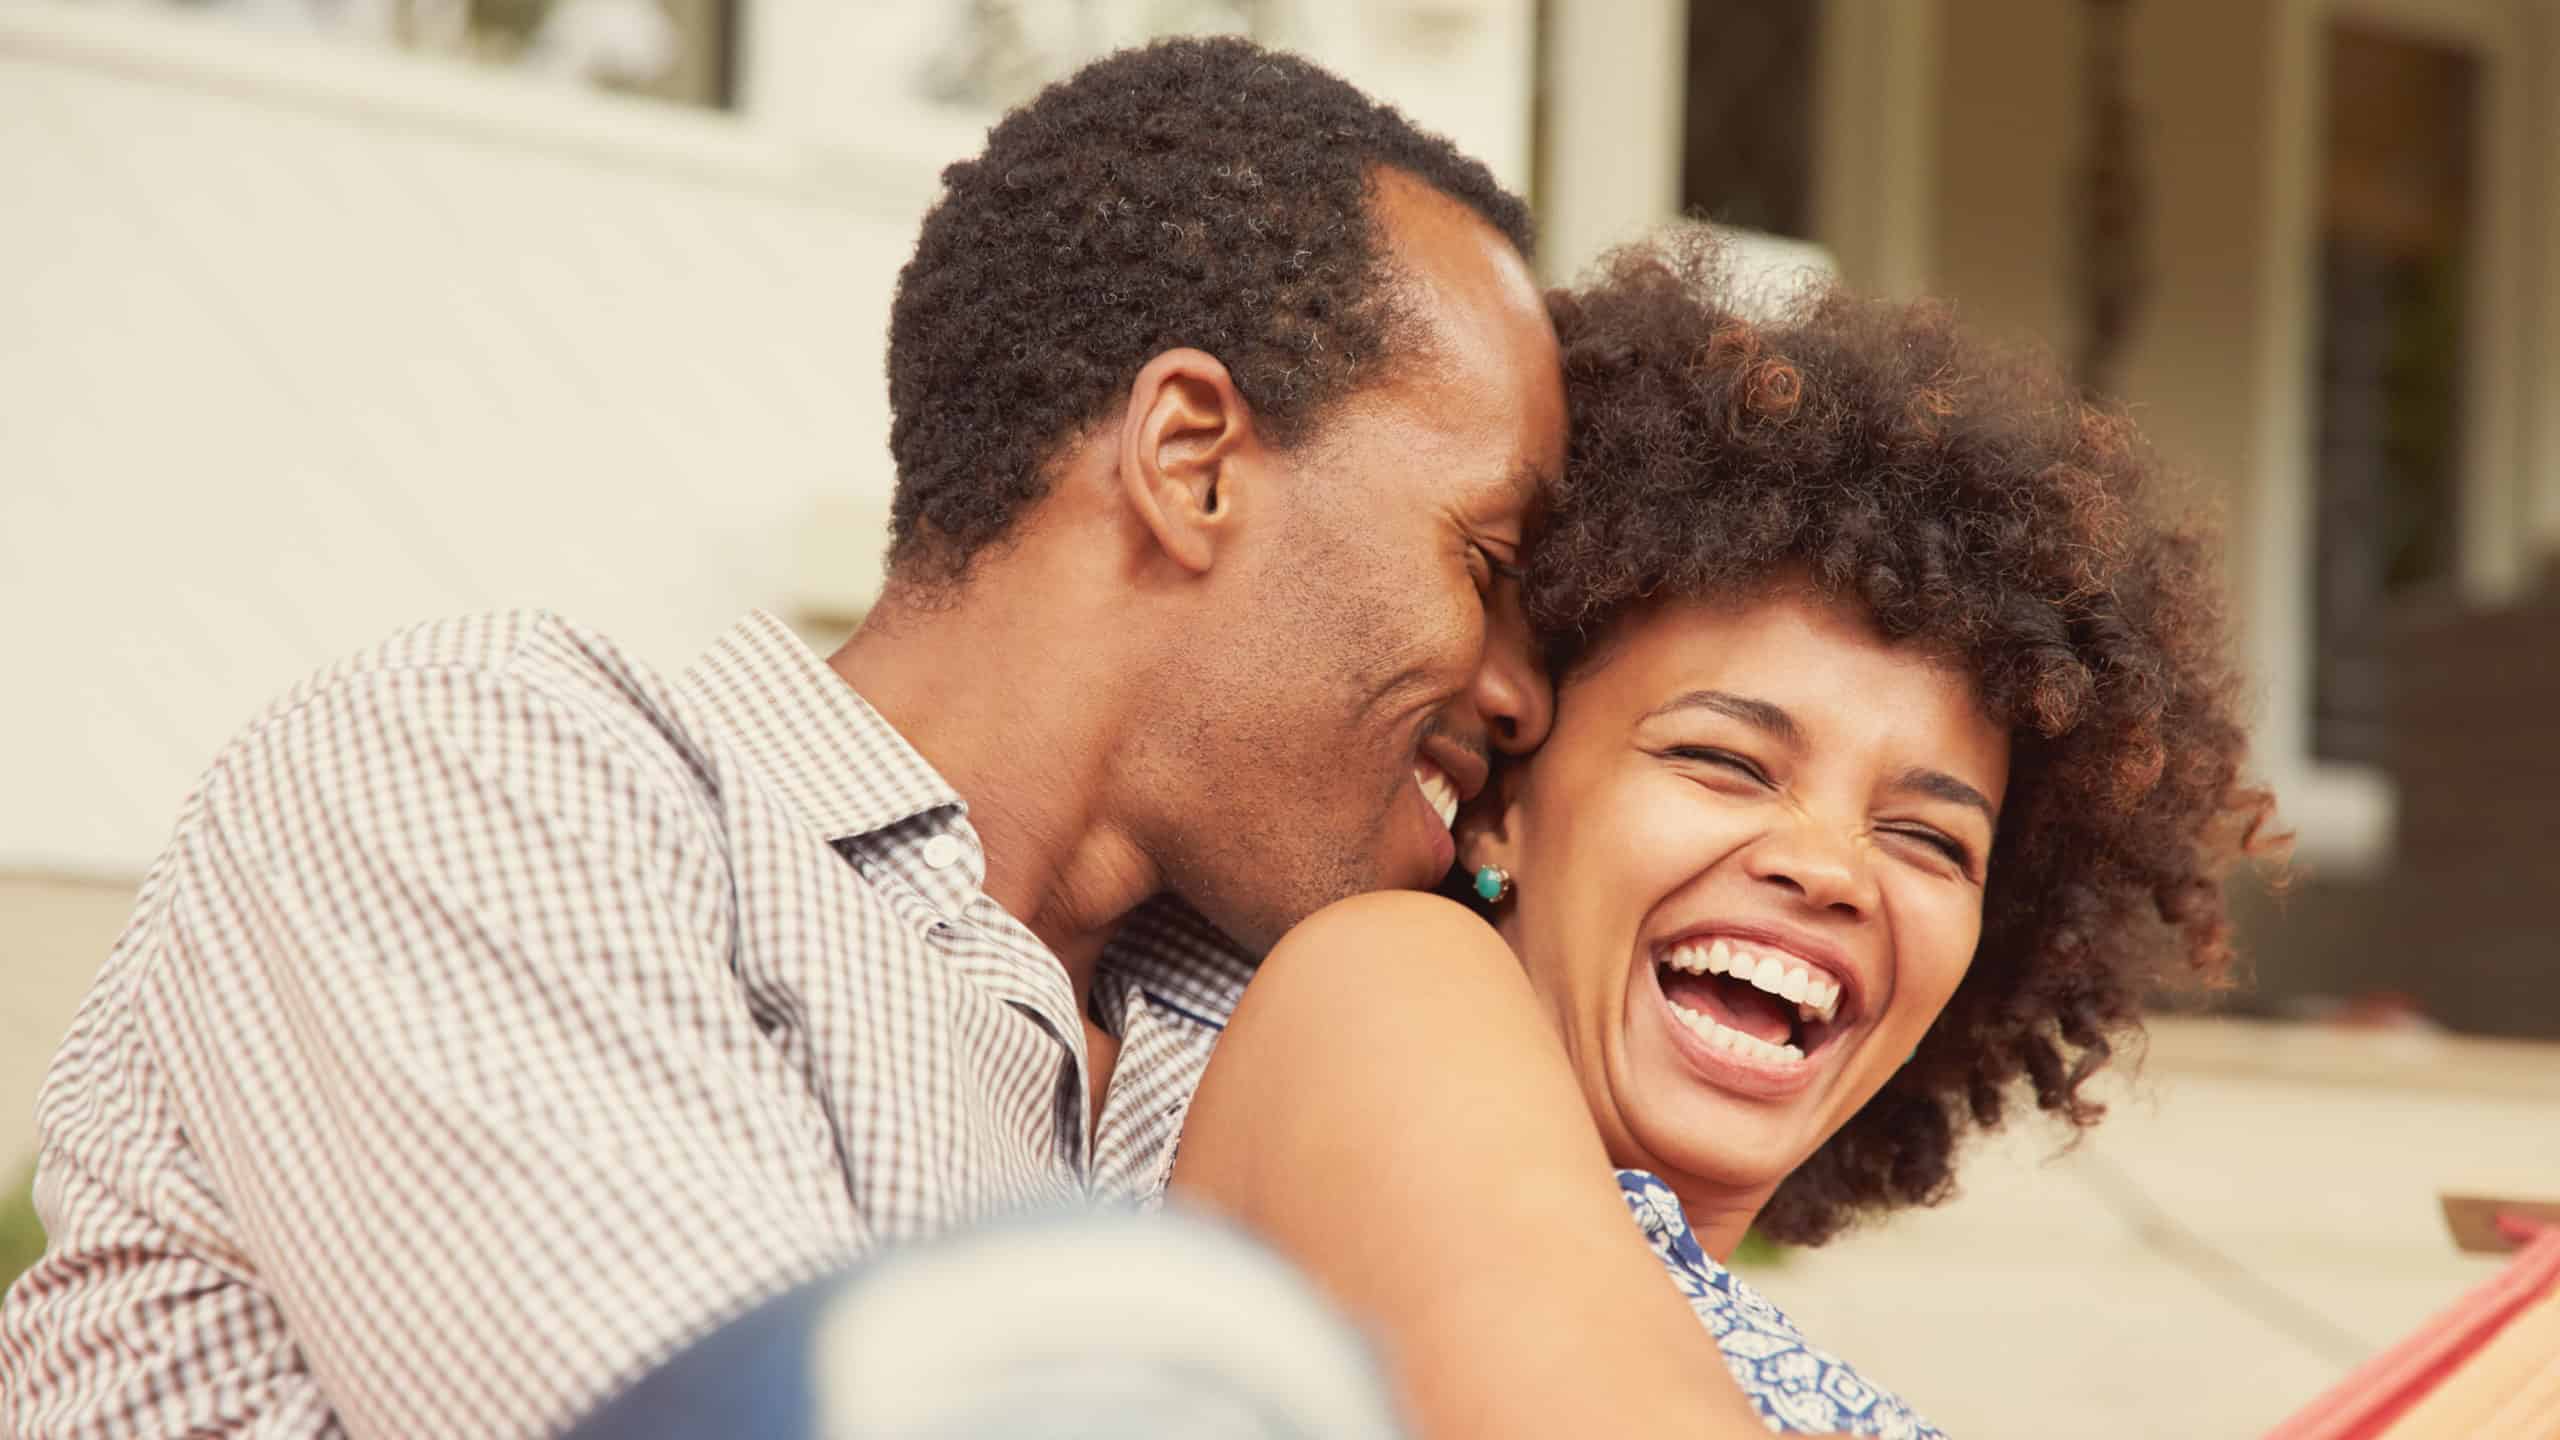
(1391, 1108)
(1407, 914)
(1382, 982)
(1380, 1029)
(1391, 943)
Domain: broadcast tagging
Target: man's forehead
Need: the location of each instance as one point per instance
(1494, 449)
(1489, 372)
(1452, 262)
(1478, 362)
(1480, 474)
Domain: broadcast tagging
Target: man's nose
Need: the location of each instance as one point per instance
(1511, 691)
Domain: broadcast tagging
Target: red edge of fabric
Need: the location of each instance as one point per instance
(2383, 1388)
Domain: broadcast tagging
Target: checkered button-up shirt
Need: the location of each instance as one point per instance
(502, 1016)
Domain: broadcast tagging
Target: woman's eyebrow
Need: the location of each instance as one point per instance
(1939, 785)
(1758, 714)
(1782, 727)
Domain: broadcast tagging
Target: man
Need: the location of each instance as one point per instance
(501, 1015)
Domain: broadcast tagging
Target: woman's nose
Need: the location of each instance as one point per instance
(1823, 864)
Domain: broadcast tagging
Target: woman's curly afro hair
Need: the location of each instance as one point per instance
(1979, 507)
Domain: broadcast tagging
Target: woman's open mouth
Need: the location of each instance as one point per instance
(1750, 1008)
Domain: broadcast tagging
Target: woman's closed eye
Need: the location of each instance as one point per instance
(1955, 851)
(1742, 765)
(1937, 843)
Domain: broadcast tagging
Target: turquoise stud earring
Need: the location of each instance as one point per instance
(1493, 883)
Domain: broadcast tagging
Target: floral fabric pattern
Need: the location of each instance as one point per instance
(1798, 1389)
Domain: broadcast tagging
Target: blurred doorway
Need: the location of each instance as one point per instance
(1751, 110)
(2394, 470)
(2400, 248)
(1813, 122)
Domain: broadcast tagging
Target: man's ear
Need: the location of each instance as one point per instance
(1183, 438)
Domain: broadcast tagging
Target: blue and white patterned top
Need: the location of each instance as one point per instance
(1798, 1389)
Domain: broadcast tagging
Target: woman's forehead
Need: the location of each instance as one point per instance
(1788, 646)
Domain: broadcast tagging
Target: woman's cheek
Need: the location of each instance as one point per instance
(1942, 945)
(1675, 830)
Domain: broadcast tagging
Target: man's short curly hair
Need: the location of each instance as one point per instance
(1204, 193)
(1979, 507)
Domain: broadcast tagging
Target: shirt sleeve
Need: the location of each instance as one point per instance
(106, 1335)
(432, 998)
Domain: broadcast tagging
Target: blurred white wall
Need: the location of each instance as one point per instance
(304, 343)
(841, 72)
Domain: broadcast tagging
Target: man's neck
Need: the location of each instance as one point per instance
(1008, 695)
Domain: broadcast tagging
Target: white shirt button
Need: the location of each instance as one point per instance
(941, 852)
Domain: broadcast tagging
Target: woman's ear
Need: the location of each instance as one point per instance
(1488, 827)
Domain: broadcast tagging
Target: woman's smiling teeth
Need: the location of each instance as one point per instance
(1438, 789)
(1815, 995)
(1720, 1036)
(1747, 1001)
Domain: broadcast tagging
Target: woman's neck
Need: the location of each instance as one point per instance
(1718, 1220)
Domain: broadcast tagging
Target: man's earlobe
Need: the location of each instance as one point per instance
(1184, 438)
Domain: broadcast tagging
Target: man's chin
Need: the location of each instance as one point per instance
(1284, 882)
(1255, 914)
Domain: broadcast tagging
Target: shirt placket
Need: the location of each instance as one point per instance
(951, 879)
(1047, 1001)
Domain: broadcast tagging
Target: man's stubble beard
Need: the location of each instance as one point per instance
(1292, 838)
(1284, 836)
(1280, 837)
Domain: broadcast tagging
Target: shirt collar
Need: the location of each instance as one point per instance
(848, 772)
(1173, 954)
(833, 758)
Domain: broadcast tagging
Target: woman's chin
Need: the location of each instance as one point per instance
(1711, 1142)
(1738, 1146)
(1733, 1120)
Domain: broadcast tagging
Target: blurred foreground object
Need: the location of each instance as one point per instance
(1145, 1327)
(2489, 1365)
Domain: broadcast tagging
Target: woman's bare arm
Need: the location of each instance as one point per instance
(1392, 1109)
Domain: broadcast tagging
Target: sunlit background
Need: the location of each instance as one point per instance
(334, 315)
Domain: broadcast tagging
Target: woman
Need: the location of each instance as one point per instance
(1895, 755)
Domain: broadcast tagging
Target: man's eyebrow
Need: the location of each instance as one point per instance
(1939, 785)
(1533, 481)
(1759, 714)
